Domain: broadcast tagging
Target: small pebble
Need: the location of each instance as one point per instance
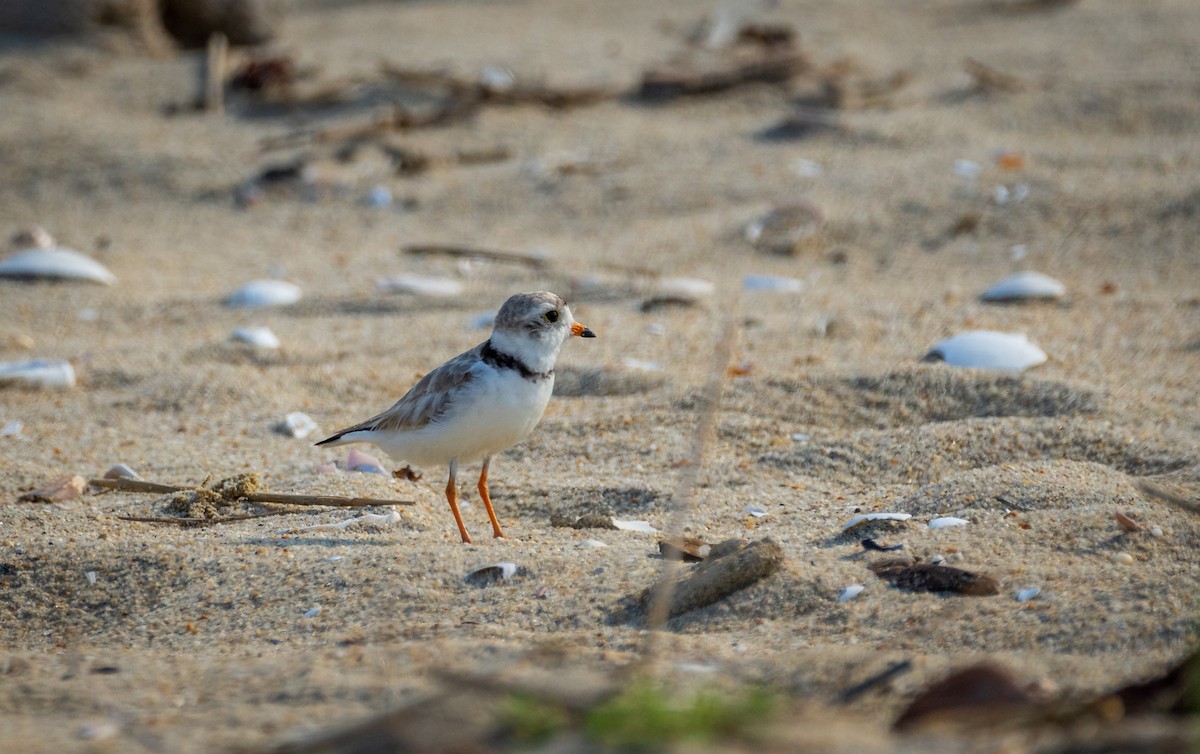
(1122, 558)
(1156, 531)
(312, 612)
(259, 337)
(259, 294)
(297, 424)
(772, 284)
(943, 522)
(356, 460)
(91, 577)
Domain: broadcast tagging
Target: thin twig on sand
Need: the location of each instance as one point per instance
(337, 501)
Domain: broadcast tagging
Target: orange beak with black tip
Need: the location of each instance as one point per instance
(581, 331)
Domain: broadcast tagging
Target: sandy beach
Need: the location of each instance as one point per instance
(967, 141)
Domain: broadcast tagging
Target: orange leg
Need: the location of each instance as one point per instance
(452, 496)
(487, 500)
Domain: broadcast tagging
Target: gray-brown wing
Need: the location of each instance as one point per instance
(426, 400)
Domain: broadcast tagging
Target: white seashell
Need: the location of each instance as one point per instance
(692, 289)
(259, 294)
(356, 460)
(122, 471)
(755, 510)
(851, 592)
(943, 522)
(937, 559)
(1023, 286)
(52, 373)
(490, 574)
(12, 428)
(297, 424)
(379, 197)
(1155, 531)
(312, 612)
(55, 264)
(591, 543)
(772, 284)
(985, 349)
(639, 526)
(967, 169)
(421, 285)
(91, 577)
(259, 337)
(1028, 593)
(858, 521)
(1122, 558)
(494, 78)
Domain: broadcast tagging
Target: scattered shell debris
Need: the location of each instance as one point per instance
(374, 520)
(593, 544)
(122, 471)
(1025, 286)
(756, 511)
(687, 549)
(915, 576)
(731, 566)
(788, 229)
(642, 527)
(12, 428)
(945, 522)
(1028, 593)
(851, 592)
(312, 612)
(259, 337)
(64, 488)
(494, 574)
(54, 264)
(91, 577)
(420, 285)
(43, 373)
(986, 349)
(296, 424)
(858, 521)
(260, 294)
(772, 284)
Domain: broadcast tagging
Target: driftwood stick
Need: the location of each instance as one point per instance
(337, 501)
(468, 252)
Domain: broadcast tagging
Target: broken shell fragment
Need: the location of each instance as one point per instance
(122, 471)
(421, 285)
(755, 510)
(259, 294)
(858, 521)
(1126, 523)
(851, 592)
(772, 284)
(66, 488)
(259, 337)
(55, 264)
(1025, 286)
(49, 373)
(1028, 593)
(356, 460)
(494, 574)
(297, 424)
(786, 229)
(943, 522)
(643, 527)
(985, 349)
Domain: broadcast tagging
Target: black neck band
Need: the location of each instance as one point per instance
(501, 360)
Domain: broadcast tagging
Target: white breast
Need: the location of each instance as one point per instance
(497, 410)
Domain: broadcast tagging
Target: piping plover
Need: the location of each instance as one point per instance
(480, 402)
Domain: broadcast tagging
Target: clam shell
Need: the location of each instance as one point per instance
(55, 264)
(985, 349)
(772, 284)
(259, 337)
(944, 522)
(1028, 593)
(259, 294)
(1024, 286)
(421, 285)
(858, 521)
(53, 373)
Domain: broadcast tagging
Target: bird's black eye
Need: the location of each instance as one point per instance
(551, 316)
